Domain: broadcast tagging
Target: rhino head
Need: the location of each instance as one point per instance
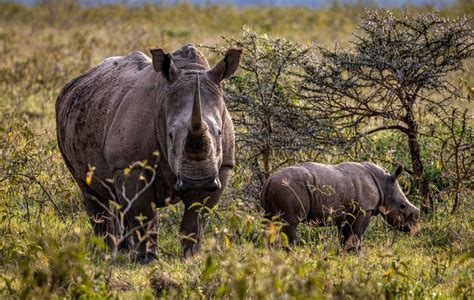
(396, 208)
(194, 127)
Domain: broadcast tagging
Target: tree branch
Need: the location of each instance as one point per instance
(381, 128)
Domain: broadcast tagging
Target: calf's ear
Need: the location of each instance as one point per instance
(397, 172)
(227, 66)
(163, 62)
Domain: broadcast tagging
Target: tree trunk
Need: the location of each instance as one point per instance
(267, 150)
(457, 201)
(266, 162)
(418, 169)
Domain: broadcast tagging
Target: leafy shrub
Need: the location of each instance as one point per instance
(272, 123)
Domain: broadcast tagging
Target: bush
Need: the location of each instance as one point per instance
(273, 125)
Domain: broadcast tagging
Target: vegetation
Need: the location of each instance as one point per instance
(47, 246)
(396, 75)
(275, 127)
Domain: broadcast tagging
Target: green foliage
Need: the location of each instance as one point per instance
(395, 78)
(48, 269)
(47, 248)
(273, 124)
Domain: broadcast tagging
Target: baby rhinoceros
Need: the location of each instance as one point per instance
(346, 195)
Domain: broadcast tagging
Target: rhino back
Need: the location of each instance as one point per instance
(189, 56)
(285, 193)
(341, 188)
(86, 107)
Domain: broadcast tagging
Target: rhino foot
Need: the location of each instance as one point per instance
(190, 249)
(144, 258)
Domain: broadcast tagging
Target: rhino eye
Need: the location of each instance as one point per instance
(170, 135)
(219, 132)
(403, 206)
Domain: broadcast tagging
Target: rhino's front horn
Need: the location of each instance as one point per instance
(196, 117)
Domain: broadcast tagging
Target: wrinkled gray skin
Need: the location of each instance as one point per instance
(125, 109)
(346, 195)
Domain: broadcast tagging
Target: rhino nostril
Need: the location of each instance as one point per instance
(413, 217)
(416, 215)
(179, 184)
(214, 185)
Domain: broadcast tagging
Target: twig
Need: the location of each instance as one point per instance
(50, 198)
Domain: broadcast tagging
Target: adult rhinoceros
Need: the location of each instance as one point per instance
(127, 108)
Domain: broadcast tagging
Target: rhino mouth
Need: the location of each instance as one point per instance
(412, 228)
(403, 225)
(210, 184)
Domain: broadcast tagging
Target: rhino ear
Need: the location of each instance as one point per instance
(227, 66)
(163, 62)
(396, 173)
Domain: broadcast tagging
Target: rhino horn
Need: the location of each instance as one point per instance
(196, 116)
(197, 142)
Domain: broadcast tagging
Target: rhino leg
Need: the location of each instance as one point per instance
(192, 227)
(195, 218)
(352, 230)
(290, 232)
(140, 218)
(96, 208)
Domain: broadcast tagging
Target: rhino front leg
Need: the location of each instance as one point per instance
(290, 231)
(136, 197)
(194, 222)
(100, 214)
(96, 210)
(192, 227)
(195, 218)
(351, 232)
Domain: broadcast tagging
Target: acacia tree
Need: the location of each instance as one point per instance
(272, 124)
(455, 154)
(395, 73)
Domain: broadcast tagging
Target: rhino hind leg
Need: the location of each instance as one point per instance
(351, 232)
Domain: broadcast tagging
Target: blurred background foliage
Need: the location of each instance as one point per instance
(46, 244)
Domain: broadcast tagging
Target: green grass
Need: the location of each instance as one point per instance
(47, 249)
(235, 262)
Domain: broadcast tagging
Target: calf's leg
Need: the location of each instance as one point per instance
(352, 230)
